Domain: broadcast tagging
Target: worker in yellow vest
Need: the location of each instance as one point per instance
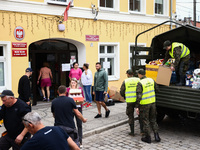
(146, 106)
(128, 91)
(181, 54)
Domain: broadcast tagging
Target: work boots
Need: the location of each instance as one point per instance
(132, 129)
(157, 138)
(146, 139)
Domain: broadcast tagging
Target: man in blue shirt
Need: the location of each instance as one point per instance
(46, 138)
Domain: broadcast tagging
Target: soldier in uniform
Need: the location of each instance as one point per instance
(146, 106)
(128, 91)
(182, 57)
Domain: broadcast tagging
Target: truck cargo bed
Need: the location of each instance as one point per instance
(179, 98)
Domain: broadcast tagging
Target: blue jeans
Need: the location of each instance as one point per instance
(87, 91)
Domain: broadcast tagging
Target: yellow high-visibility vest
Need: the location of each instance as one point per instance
(131, 85)
(148, 93)
(184, 50)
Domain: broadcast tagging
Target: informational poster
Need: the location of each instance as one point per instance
(106, 65)
(66, 67)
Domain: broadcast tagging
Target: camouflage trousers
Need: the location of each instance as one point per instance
(183, 66)
(148, 117)
(130, 112)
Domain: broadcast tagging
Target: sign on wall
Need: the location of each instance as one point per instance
(19, 45)
(19, 53)
(19, 33)
(92, 37)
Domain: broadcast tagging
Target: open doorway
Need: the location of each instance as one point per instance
(55, 53)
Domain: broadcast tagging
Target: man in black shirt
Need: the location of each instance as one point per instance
(12, 112)
(24, 88)
(63, 109)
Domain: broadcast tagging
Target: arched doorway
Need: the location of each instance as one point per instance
(55, 52)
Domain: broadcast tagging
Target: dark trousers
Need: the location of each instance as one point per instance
(183, 66)
(148, 117)
(79, 126)
(130, 112)
(6, 143)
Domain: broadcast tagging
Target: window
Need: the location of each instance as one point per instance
(159, 7)
(134, 5)
(60, 2)
(139, 62)
(108, 57)
(107, 3)
(5, 66)
(2, 63)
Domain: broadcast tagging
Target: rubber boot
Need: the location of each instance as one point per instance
(146, 139)
(132, 129)
(157, 138)
(182, 81)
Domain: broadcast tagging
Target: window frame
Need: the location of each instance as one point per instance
(115, 6)
(130, 54)
(142, 8)
(114, 55)
(59, 2)
(7, 65)
(165, 8)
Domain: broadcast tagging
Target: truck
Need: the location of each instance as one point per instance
(173, 101)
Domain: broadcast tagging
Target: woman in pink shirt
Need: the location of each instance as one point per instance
(75, 72)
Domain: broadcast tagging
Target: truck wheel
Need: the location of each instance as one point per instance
(160, 114)
(160, 117)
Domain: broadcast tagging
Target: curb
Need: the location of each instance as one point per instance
(107, 127)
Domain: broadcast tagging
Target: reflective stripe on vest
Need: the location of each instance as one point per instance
(148, 94)
(130, 93)
(184, 50)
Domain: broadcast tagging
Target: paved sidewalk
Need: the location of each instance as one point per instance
(92, 126)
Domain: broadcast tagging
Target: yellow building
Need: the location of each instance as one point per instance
(96, 30)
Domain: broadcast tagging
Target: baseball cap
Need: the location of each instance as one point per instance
(29, 70)
(7, 93)
(166, 43)
(129, 71)
(141, 71)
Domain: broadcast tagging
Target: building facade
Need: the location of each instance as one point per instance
(96, 30)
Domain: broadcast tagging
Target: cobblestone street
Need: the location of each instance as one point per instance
(174, 135)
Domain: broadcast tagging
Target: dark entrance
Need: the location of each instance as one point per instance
(56, 52)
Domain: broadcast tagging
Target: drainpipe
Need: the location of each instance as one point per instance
(171, 5)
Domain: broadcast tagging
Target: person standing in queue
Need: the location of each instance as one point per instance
(75, 72)
(128, 91)
(63, 109)
(74, 85)
(146, 106)
(86, 79)
(100, 89)
(181, 54)
(24, 88)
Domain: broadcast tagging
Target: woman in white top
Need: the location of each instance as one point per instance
(86, 79)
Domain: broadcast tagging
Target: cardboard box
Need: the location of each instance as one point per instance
(161, 74)
(115, 94)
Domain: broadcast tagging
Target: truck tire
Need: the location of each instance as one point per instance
(160, 114)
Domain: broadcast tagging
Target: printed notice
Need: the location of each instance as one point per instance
(66, 67)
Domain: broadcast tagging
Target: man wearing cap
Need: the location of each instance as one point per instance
(24, 89)
(12, 112)
(146, 106)
(128, 91)
(181, 54)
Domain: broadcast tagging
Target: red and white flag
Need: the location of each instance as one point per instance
(66, 12)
